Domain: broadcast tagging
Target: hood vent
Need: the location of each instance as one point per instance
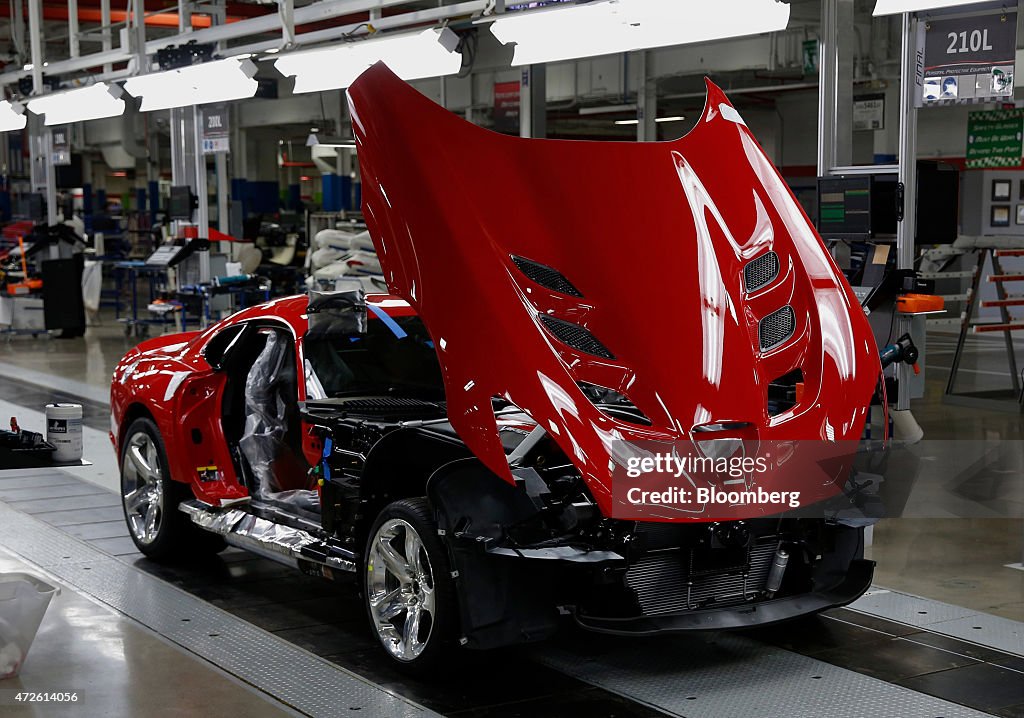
(613, 404)
(761, 272)
(575, 336)
(546, 276)
(776, 328)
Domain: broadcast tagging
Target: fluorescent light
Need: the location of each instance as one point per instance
(674, 118)
(12, 116)
(316, 140)
(627, 122)
(612, 26)
(892, 7)
(414, 56)
(607, 109)
(86, 103)
(217, 81)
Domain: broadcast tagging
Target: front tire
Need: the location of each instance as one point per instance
(150, 498)
(408, 588)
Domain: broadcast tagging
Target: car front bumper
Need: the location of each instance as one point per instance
(748, 615)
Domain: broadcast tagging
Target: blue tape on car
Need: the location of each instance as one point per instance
(388, 322)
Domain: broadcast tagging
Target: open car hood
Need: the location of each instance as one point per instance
(683, 275)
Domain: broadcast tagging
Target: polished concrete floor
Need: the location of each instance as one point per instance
(119, 668)
(946, 557)
(959, 560)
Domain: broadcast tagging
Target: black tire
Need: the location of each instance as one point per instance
(173, 535)
(439, 640)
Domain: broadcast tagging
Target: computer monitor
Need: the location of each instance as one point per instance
(31, 206)
(182, 203)
(844, 207)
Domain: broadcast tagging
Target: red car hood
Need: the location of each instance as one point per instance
(642, 250)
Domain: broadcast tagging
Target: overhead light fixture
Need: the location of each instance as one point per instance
(673, 118)
(217, 81)
(430, 53)
(315, 139)
(607, 109)
(85, 103)
(893, 7)
(12, 116)
(627, 122)
(606, 27)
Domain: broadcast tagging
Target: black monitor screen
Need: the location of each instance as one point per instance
(181, 204)
(844, 206)
(31, 206)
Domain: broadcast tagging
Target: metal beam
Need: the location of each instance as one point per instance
(139, 30)
(646, 100)
(108, 44)
(271, 23)
(533, 101)
(18, 32)
(286, 11)
(35, 31)
(911, 66)
(73, 30)
(41, 172)
(835, 87)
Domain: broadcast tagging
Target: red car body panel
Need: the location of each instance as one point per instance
(169, 378)
(449, 204)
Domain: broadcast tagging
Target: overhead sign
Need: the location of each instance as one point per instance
(995, 138)
(60, 152)
(869, 112)
(216, 133)
(506, 107)
(810, 55)
(969, 59)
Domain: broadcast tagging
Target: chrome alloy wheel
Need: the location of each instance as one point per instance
(142, 487)
(400, 589)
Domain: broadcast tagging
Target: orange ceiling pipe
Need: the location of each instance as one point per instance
(94, 15)
(86, 14)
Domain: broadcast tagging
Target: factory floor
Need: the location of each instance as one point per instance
(113, 666)
(945, 557)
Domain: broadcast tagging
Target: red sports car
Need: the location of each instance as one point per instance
(461, 444)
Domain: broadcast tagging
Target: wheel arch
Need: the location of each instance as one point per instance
(399, 466)
(138, 410)
(135, 410)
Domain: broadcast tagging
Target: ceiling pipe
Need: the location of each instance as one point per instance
(73, 39)
(105, 22)
(35, 31)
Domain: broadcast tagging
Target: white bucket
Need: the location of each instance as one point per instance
(64, 431)
(23, 601)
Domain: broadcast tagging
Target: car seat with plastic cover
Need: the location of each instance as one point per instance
(270, 418)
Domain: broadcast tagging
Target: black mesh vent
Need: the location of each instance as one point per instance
(545, 276)
(777, 327)
(761, 272)
(575, 336)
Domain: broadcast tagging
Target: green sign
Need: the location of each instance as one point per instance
(810, 51)
(995, 138)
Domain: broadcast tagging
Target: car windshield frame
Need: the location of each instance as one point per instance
(395, 356)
